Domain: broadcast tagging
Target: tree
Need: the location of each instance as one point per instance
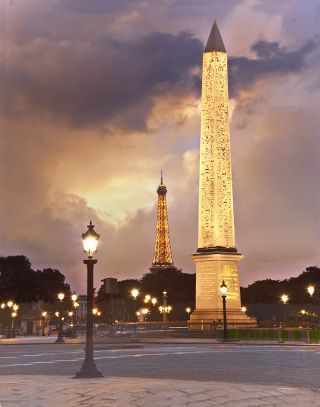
(20, 283)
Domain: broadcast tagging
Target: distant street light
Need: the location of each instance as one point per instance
(147, 298)
(285, 299)
(188, 310)
(154, 300)
(60, 316)
(310, 290)
(134, 293)
(74, 297)
(90, 242)
(13, 315)
(44, 314)
(223, 290)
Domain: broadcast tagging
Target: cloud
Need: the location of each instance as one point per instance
(92, 83)
(270, 59)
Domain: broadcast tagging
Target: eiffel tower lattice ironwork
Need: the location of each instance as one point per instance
(162, 258)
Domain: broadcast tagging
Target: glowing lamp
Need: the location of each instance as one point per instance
(9, 304)
(147, 298)
(188, 310)
(44, 314)
(145, 311)
(154, 301)
(95, 311)
(284, 298)
(244, 309)
(223, 288)
(74, 297)
(134, 293)
(70, 313)
(90, 240)
(60, 296)
(15, 307)
(14, 314)
(310, 290)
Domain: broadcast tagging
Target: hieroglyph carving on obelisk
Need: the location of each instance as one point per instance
(216, 223)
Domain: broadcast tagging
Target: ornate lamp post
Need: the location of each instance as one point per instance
(44, 314)
(13, 315)
(284, 299)
(163, 309)
(223, 290)
(9, 305)
(60, 316)
(90, 242)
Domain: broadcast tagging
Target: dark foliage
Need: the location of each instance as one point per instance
(269, 291)
(20, 283)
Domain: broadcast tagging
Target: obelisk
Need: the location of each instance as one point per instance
(217, 257)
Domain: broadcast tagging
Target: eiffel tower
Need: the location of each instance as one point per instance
(162, 258)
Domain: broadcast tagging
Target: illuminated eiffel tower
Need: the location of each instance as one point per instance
(162, 258)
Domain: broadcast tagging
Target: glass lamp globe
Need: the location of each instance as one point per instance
(74, 297)
(310, 290)
(147, 298)
(44, 314)
(90, 240)
(284, 298)
(60, 296)
(223, 288)
(154, 301)
(14, 314)
(134, 293)
(9, 304)
(188, 310)
(15, 307)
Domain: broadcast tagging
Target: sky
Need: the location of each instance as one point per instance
(97, 96)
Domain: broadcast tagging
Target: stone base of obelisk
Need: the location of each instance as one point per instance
(212, 268)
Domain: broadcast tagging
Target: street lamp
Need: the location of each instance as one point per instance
(188, 310)
(285, 299)
(13, 315)
(223, 290)
(154, 300)
(134, 293)
(163, 309)
(44, 314)
(244, 309)
(60, 316)
(74, 297)
(147, 298)
(90, 242)
(310, 290)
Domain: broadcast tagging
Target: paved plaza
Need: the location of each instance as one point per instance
(161, 375)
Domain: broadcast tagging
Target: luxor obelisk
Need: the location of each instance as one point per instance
(217, 257)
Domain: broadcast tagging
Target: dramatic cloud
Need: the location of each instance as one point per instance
(270, 59)
(89, 84)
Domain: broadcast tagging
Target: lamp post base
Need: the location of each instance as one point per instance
(88, 369)
(59, 340)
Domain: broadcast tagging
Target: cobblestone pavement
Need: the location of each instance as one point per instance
(46, 391)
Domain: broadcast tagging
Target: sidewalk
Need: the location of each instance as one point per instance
(56, 391)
